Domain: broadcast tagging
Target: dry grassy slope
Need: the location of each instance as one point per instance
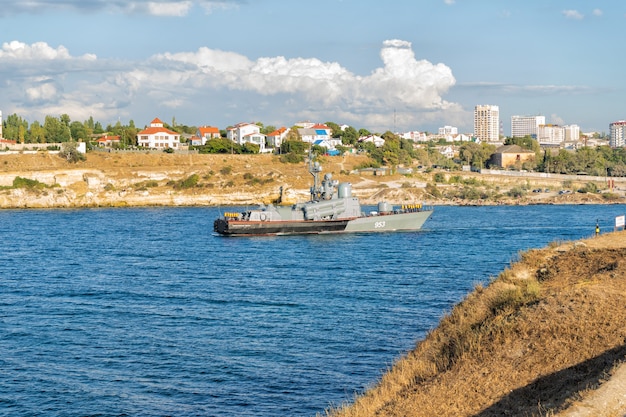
(129, 165)
(116, 179)
(537, 341)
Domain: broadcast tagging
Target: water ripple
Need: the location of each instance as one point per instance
(144, 312)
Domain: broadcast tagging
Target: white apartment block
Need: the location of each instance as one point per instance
(550, 135)
(618, 134)
(448, 130)
(246, 133)
(522, 126)
(415, 136)
(572, 133)
(487, 123)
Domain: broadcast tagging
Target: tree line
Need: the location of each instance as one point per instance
(600, 161)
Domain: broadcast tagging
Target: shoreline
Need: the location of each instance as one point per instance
(158, 180)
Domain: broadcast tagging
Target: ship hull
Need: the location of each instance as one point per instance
(382, 223)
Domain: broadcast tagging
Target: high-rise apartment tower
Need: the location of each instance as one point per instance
(487, 123)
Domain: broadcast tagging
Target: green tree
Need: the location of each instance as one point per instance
(294, 146)
(248, 148)
(78, 131)
(56, 130)
(37, 133)
(69, 152)
(97, 129)
(468, 152)
(350, 136)
(220, 145)
(336, 131)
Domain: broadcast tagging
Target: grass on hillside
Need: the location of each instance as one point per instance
(545, 331)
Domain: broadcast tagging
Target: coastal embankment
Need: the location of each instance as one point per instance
(121, 179)
(544, 338)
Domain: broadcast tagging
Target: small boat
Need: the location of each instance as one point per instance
(331, 209)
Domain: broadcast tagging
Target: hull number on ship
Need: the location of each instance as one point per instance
(379, 225)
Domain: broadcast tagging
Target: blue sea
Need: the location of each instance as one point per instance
(144, 312)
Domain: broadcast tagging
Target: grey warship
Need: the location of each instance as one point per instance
(331, 209)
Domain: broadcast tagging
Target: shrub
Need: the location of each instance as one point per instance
(291, 158)
(226, 170)
(433, 190)
(516, 192)
(590, 187)
(189, 182)
(439, 177)
(69, 152)
(19, 182)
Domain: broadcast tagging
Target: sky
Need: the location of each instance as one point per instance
(399, 65)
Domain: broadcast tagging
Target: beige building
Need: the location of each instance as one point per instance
(511, 156)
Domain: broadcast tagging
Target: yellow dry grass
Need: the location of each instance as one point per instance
(543, 334)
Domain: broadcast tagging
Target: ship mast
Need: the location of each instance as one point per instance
(315, 168)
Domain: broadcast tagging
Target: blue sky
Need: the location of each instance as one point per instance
(381, 65)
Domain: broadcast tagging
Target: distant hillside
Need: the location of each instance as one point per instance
(159, 179)
(536, 341)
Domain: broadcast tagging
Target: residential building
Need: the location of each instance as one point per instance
(320, 126)
(310, 135)
(550, 135)
(572, 133)
(376, 140)
(243, 133)
(448, 130)
(487, 123)
(305, 125)
(277, 137)
(618, 134)
(0, 124)
(459, 137)
(415, 136)
(447, 151)
(522, 126)
(324, 144)
(206, 133)
(107, 141)
(158, 137)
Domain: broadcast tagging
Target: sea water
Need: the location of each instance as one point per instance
(146, 312)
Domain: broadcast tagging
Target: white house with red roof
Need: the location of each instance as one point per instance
(277, 137)
(206, 133)
(107, 141)
(320, 126)
(158, 137)
(243, 133)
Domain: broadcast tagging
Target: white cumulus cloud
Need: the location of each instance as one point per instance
(238, 87)
(403, 80)
(37, 51)
(177, 9)
(42, 92)
(573, 14)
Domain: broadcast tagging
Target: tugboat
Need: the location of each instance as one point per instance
(331, 209)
